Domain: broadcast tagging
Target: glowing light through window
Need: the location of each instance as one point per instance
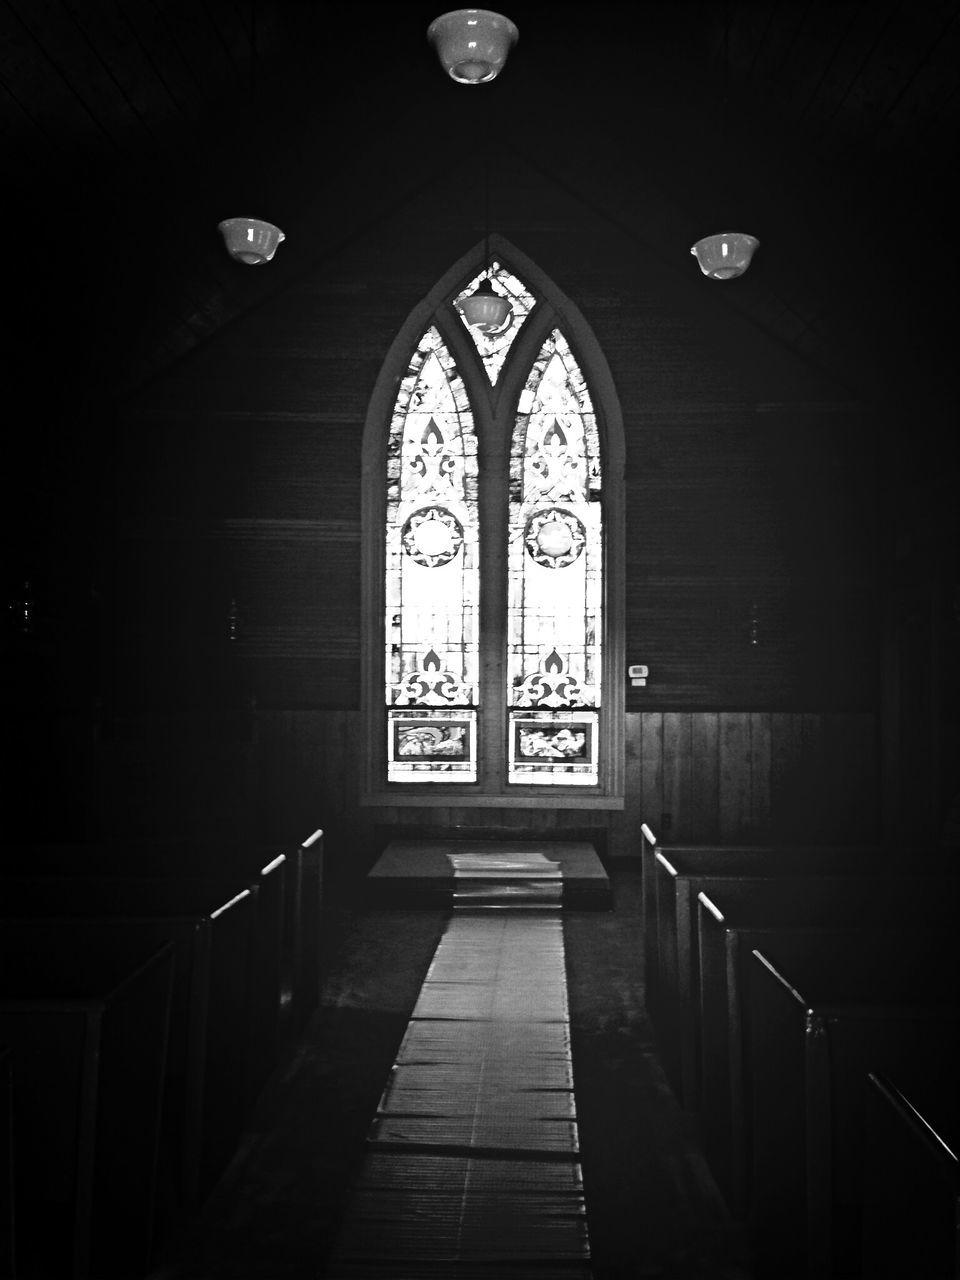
(432, 574)
(555, 560)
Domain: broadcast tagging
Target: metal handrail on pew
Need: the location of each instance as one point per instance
(681, 873)
(911, 1190)
(85, 1013)
(213, 924)
(817, 1023)
(727, 934)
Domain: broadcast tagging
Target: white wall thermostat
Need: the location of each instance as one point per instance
(638, 672)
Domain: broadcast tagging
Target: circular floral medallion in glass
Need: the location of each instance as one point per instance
(432, 536)
(554, 538)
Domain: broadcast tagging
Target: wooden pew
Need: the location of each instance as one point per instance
(713, 857)
(911, 1187)
(679, 877)
(7, 1217)
(85, 1014)
(817, 1021)
(265, 870)
(303, 928)
(648, 905)
(213, 925)
(744, 914)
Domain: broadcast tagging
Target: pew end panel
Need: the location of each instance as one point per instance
(911, 1185)
(777, 1029)
(303, 929)
(8, 1234)
(863, 1008)
(921, 1046)
(648, 899)
(86, 1020)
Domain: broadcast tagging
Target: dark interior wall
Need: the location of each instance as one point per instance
(752, 579)
(767, 501)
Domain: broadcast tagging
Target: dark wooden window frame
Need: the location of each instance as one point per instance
(495, 412)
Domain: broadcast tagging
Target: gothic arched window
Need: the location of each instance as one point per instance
(492, 518)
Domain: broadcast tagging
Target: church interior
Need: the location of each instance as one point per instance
(370, 910)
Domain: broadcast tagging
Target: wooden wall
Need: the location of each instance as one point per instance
(753, 566)
(692, 776)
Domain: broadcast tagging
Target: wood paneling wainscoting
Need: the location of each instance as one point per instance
(710, 776)
(693, 776)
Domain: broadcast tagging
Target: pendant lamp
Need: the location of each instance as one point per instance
(250, 240)
(472, 44)
(725, 256)
(485, 309)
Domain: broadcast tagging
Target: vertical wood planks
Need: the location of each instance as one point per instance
(735, 799)
(705, 739)
(731, 777)
(651, 771)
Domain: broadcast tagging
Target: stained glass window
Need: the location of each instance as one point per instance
(432, 574)
(493, 347)
(509, 703)
(554, 571)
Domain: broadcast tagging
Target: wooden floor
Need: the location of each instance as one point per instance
(279, 1213)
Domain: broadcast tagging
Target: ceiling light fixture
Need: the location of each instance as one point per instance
(250, 240)
(485, 309)
(472, 44)
(725, 256)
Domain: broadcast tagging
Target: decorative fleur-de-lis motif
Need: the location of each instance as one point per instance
(551, 686)
(555, 468)
(434, 462)
(429, 685)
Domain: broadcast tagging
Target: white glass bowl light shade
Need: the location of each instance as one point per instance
(485, 309)
(250, 240)
(472, 44)
(725, 256)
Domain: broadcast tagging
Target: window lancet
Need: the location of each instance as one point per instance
(432, 573)
(554, 578)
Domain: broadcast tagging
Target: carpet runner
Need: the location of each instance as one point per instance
(472, 1166)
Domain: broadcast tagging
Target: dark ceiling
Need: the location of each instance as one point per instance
(131, 127)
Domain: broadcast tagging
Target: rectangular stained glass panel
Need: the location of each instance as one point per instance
(440, 746)
(553, 747)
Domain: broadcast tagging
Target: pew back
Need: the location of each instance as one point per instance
(817, 1022)
(788, 900)
(724, 950)
(214, 929)
(85, 1015)
(7, 1222)
(911, 1190)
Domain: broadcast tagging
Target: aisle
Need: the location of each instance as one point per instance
(473, 1166)
(652, 1208)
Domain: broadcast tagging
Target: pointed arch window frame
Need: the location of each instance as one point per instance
(495, 408)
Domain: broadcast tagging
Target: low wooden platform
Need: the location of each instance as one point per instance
(490, 874)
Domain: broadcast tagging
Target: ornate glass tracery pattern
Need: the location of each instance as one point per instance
(493, 347)
(432, 574)
(554, 602)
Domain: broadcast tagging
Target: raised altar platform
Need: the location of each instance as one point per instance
(489, 874)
